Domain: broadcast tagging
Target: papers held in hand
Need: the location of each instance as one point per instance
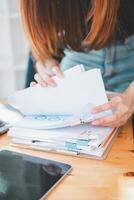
(70, 103)
(58, 109)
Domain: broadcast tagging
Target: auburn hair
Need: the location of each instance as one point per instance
(52, 25)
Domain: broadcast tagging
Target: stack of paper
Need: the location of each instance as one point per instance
(81, 140)
(70, 103)
(57, 119)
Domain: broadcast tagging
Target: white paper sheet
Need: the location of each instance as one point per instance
(80, 139)
(84, 132)
(9, 115)
(72, 93)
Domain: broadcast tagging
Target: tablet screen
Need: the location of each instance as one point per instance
(24, 177)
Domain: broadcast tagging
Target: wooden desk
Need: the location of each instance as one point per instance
(90, 179)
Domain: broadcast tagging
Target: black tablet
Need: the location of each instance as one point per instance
(24, 177)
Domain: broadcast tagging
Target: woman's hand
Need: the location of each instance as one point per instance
(123, 106)
(46, 72)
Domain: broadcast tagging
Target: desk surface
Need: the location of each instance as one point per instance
(90, 179)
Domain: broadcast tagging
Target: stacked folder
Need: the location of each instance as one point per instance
(58, 119)
(82, 140)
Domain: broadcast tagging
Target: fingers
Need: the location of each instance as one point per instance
(45, 73)
(49, 69)
(32, 84)
(118, 123)
(39, 80)
(52, 68)
(112, 103)
(56, 70)
(111, 121)
(118, 118)
(48, 80)
(44, 80)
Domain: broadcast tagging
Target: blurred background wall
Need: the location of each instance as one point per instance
(13, 48)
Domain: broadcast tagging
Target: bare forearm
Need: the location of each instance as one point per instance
(130, 94)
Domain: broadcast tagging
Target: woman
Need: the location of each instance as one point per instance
(96, 33)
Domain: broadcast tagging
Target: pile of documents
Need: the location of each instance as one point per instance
(57, 119)
(82, 140)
